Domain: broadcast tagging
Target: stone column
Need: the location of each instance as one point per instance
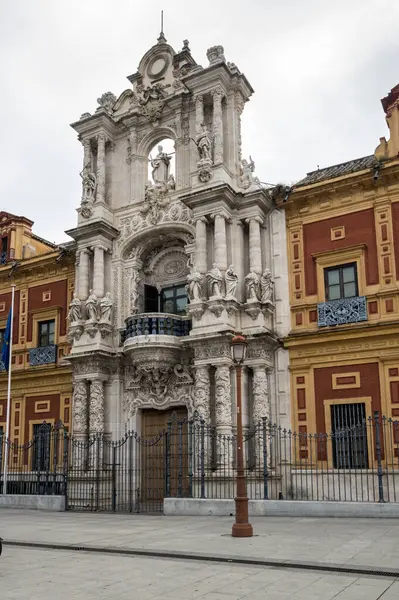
(199, 112)
(202, 432)
(83, 273)
(200, 244)
(80, 422)
(96, 420)
(255, 247)
(220, 241)
(261, 409)
(98, 270)
(101, 168)
(87, 153)
(225, 449)
(217, 126)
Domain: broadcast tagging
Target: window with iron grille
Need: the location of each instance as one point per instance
(46, 333)
(349, 436)
(41, 447)
(341, 282)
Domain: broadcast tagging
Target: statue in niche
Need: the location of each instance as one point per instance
(204, 143)
(75, 310)
(266, 286)
(92, 307)
(231, 281)
(134, 294)
(89, 183)
(194, 285)
(106, 305)
(252, 285)
(215, 279)
(160, 167)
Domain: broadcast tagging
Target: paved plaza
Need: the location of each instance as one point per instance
(34, 574)
(102, 572)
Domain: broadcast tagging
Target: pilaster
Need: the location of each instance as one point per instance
(101, 139)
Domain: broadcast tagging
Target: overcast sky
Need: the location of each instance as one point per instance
(318, 67)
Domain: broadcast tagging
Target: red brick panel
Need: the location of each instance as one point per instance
(395, 221)
(59, 299)
(30, 414)
(6, 298)
(359, 229)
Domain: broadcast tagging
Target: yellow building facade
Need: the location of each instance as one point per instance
(343, 261)
(43, 275)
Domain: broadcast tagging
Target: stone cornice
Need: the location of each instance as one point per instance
(87, 230)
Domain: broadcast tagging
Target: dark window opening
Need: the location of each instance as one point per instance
(46, 333)
(172, 300)
(341, 282)
(41, 447)
(150, 299)
(349, 436)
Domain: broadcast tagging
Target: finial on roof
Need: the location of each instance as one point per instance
(185, 45)
(162, 37)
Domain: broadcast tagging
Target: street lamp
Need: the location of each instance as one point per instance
(241, 527)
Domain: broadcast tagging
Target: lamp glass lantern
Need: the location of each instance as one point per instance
(238, 348)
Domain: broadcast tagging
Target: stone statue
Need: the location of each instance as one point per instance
(194, 286)
(160, 167)
(266, 286)
(106, 305)
(92, 307)
(204, 144)
(134, 294)
(252, 285)
(247, 177)
(171, 184)
(75, 310)
(215, 279)
(231, 280)
(89, 182)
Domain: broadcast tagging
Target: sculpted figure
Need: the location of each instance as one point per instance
(194, 285)
(92, 307)
(204, 144)
(160, 167)
(266, 286)
(247, 177)
(134, 294)
(75, 310)
(106, 308)
(215, 279)
(89, 182)
(231, 280)
(252, 285)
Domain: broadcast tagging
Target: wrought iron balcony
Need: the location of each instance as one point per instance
(44, 355)
(156, 324)
(2, 366)
(3, 258)
(341, 312)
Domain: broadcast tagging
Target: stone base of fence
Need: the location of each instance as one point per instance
(193, 507)
(35, 502)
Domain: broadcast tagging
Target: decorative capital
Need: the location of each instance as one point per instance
(201, 219)
(256, 218)
(99, 247)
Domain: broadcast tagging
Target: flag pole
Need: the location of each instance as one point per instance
(8, 413)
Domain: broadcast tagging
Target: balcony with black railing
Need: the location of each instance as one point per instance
(151, 324)
(343, 311)
(3, 258)
(43, 355)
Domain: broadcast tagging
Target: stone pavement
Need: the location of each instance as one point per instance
(369, 543)
(32, 574)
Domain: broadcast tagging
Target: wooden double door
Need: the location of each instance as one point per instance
(164, 456)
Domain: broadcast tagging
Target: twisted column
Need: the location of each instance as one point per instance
(101, 168)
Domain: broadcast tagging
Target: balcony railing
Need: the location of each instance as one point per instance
(3, 258)
(2, 366)
(341, 312)
(156, 324)
(44, 355)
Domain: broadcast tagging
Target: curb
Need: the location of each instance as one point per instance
(221, 558)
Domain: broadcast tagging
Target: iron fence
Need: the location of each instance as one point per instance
(192, 459)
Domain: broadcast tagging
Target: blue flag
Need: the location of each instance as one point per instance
(5, 351)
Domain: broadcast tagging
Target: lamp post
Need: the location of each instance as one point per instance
(241, 527)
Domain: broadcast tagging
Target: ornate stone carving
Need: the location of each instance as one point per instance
(247, 177)
(151, 101)
(85, 115)
(231, 282)
(266, 287)
(134, 294)
(204, 144)
(223, 396)
(260, 396)
(215, 281)
(201, 399)
(106, 305)
(96, 406)
(107, 101)
(252, 285)
(215, 54)
(209, 350)
(257, 350)
(158, 385)
(160, 167)
(194, 286)
(75, 310)
(155, 201)
(80, 408)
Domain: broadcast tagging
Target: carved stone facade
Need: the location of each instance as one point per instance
(166, 243)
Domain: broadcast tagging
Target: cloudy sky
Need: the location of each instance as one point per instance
(319, 69)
